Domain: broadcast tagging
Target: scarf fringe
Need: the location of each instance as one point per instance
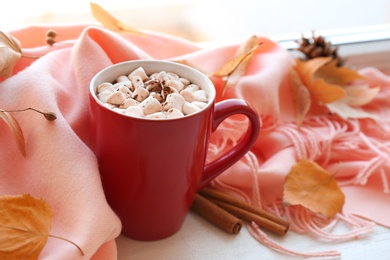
(321, 137)
(302, 221)
(316, 139)
(263, 238)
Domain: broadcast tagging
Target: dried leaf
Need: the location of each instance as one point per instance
(110, 21)
(236, 68)
(326, 93)
(301, 96)
(10, 53)
(311, 186)
(306, 69)
(337, 75)
(25, 224)
(323, 91)
(349, 107)
(360, 95)
(346, 111)
(245, 50)
(15, 129)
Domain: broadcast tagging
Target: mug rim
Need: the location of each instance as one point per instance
(110, 73)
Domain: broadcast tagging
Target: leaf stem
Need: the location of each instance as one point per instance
(30, 57)
(67, 240)
(48, 115)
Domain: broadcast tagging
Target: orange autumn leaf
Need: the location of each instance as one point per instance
(234, 69)
(110, 21)
(311, 186)
(323, 91)
(306, 69)
(337, 75)
(25, 223)
(15, 129)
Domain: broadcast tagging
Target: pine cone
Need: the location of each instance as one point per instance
(317, 46)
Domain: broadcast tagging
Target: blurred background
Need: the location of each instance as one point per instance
(205, 20)
(360, 28)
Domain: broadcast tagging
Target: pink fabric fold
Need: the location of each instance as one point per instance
(60, 167)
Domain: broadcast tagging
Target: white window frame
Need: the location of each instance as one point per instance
(360, 46)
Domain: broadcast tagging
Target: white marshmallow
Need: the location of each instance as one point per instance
(127, 84)
(188, 95)
(200, 95)
(185, 81)
(156, 96)
(128, 102)
(119, 110)
(116, 98)
(157, 115)
(140, 72)
(125, 90)
(172, 75)
(122, 78)
(174, 100)
(174, 113)
(150, 105)
(103, 96)
(162, 76)
(153, 75)
(137, 82)
(134, 111)
(199, 104)
(140, 94)
(106, 86)
(176, 84)
(189, 108)
(193, 87)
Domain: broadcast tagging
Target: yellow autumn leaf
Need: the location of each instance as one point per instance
(25, 223)
(15, 129)
(234, 69)
(10, 53)
(109, 21)
(245, 50)
(311, 186)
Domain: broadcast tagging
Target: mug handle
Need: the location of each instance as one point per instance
(223, 110)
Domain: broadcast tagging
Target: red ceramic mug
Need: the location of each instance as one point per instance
(151, 169)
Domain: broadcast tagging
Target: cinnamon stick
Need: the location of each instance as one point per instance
(246, 211)
(249, 216)
(216, 215)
